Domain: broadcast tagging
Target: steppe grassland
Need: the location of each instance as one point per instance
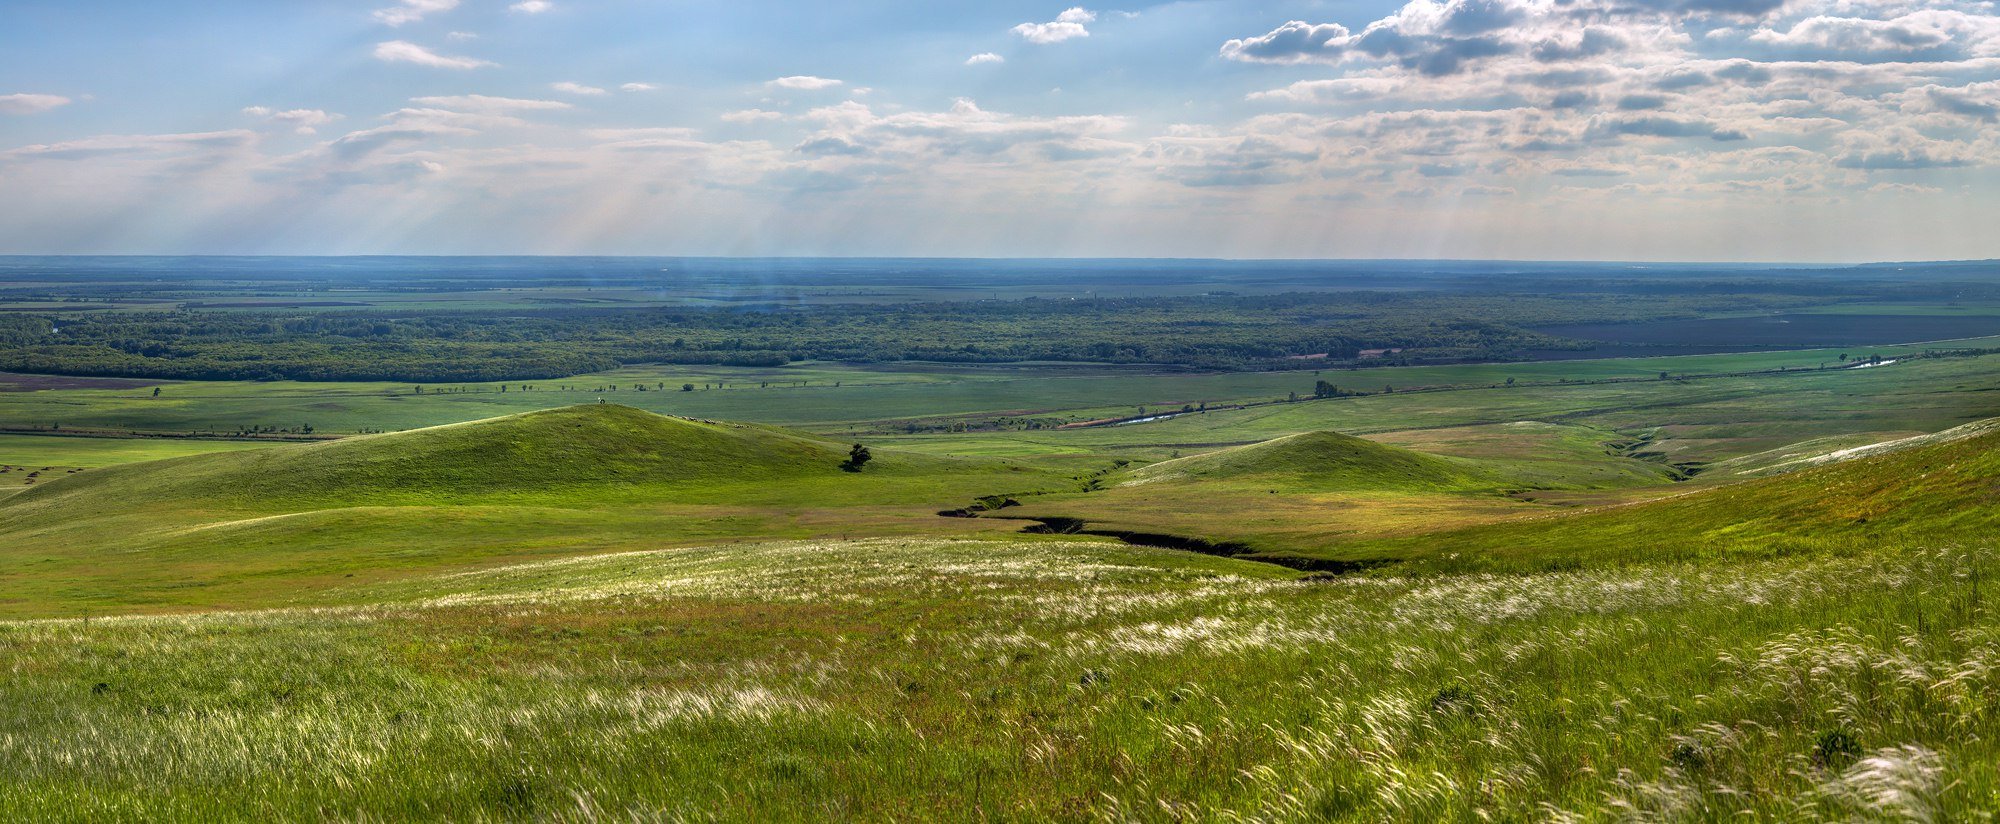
(881, 400)
(1055, 678)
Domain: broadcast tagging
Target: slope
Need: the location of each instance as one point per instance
(548, 454)
(1942, 490)
(284, 524)
(1315, 461)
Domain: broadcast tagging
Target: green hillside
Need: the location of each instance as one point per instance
(1941, 488)
(279, 525)
(552, 453)
(1315, 461)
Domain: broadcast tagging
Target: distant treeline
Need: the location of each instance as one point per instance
(1216, 332)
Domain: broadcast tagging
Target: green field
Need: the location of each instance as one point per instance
(881, 402)
(1590, 594)
(1055, 680)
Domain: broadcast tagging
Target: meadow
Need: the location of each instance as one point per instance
(1030, 680)
(1724, 586)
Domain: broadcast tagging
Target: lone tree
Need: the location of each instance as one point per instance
(856, 458)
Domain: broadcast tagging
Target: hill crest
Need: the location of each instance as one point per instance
(522, 454)
(1314, 460)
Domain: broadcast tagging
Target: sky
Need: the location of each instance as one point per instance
(1690, 130)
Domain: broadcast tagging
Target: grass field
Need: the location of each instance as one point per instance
(1589, 595)
(1028, 680)
(1711, 418)
(828, 397)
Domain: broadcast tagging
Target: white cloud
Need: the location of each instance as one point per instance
(568, 87)
(31, 103)
(129, 144)
(803, 82)
(1901, 148)
(483, 104)
(644, 131)
(301, 121)
(638, 87)
(1936, 32)
(1296, 41)
(751, 116)
(411, 11)
(402, 51)
(1341, 89)
(983, 58)
(852, 129)
(461, 36)
(1069, 25)
(532, 6)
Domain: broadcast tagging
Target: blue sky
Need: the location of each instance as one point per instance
(1800, 130)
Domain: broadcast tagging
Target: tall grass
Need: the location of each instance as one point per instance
(1070, 680)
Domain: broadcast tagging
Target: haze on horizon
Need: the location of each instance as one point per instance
(1781, 130)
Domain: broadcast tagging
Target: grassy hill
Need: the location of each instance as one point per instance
(1303, 492)
(286, 523)
(1315, 461)
(553, 454)
(1943, 488)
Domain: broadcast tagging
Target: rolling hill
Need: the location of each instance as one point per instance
(1315, 461)
(1941, 488)
(278, 525)
(553, 453)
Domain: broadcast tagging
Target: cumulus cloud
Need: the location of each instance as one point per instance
(1976, 101)
(1744, 98)
(1901, 148)
(1069, 25)
(1294, 42)
(1204, 159)
(1663, 126)
(803, 82)
(411, 11)
(300, 121)
(532, 6)
(1924, 34)
(31, 103)
(1574, 109)
(402, 51)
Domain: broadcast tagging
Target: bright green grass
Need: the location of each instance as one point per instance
(898, 680)
(580, 615)
(1315, 462)
(46, 450)
(277, 525)
(1940, 490)
(1305, 495)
